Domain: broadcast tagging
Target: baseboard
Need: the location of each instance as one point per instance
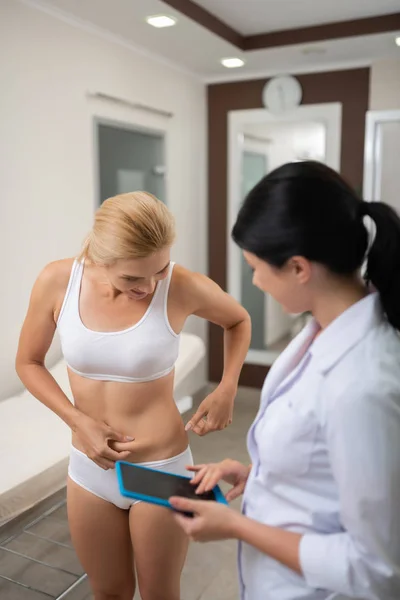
(28, 494)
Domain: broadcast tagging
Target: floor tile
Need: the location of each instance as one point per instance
(51, 529)
(41, 578)
(224, 585)
(60, 513)
(201, 567)
(17, 524)
(80, 592)
(11, 591)
(47, 552)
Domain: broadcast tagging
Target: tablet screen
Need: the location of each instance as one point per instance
(159, 484)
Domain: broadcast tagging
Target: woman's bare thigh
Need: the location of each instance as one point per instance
(101, 538)
(160, 547)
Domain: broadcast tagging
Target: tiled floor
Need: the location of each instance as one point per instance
(36, 550)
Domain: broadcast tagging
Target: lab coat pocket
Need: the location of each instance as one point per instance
(287, 441)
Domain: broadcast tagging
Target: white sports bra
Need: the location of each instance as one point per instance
(146, 351)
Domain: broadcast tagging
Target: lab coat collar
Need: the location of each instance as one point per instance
(288, 360)
(330, 345)
(346, 331)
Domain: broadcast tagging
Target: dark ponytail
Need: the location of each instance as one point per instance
(383, 262)
(307, 209)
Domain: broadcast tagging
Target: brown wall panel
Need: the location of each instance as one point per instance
(350, 87)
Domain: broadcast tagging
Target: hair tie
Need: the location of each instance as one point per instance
(368, 223)
(364, 209)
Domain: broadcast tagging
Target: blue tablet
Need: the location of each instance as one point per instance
(156, 487)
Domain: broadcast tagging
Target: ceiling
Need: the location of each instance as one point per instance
(192, 48)
(249, 17)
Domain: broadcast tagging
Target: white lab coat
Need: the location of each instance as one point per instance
(325, 449)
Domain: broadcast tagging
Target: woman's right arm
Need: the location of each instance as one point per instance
(36, 336)
(35, 339)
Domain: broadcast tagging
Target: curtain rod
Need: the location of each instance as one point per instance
(129, 104)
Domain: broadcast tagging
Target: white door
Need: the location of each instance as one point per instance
(382, 157)
(308, 132)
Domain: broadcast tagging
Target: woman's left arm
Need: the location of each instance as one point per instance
(363, 560)
(208, 301)
(213, 521)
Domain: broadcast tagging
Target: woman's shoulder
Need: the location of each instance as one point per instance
(190, 287)
(54, 277)
(379, 353)
(57, 271)
(369, 373)
(51, 284)
(185, 281)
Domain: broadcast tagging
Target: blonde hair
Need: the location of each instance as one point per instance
(133, 225)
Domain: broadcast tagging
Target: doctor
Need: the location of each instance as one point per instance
(321, 506)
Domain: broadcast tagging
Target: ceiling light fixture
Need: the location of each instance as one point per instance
(232, 63)
(161, 21)
(397, 40)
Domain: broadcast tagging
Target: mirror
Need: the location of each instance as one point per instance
(258, 143)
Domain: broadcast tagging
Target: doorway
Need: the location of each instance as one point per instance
(259, 142)
(129, 160)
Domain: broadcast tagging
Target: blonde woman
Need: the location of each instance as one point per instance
(119, 309)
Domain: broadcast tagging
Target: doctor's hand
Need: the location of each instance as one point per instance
(211, 521)
(231, 471)
(214, 413)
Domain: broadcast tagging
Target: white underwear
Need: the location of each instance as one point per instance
(104, 484)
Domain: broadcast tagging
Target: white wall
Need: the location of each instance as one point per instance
(46, 148)
(385, 85)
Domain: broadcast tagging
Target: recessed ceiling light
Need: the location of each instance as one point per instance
(397, 40)
(232, 63)
(161, 21)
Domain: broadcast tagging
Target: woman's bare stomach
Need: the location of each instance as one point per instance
(145, 411)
